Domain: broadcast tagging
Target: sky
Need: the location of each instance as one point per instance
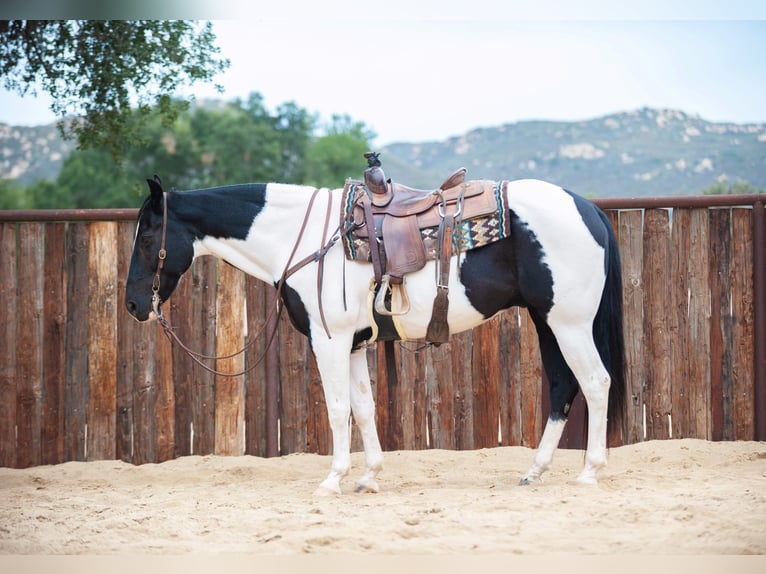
(430, 75)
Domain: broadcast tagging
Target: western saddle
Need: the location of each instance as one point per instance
(398, 228)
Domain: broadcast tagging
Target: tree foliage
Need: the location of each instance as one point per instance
(105, 76)
(728, 188)
(234, 142)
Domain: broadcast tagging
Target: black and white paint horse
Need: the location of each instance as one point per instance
(560, 261)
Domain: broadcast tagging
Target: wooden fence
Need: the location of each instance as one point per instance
(80, 380)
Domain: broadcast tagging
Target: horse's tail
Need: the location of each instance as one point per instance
(608, 331)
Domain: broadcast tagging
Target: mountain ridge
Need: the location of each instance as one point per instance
(643, 152)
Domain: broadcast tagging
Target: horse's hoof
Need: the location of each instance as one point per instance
(370, 487)
(587, 479)
(324, 492)
(528, 480)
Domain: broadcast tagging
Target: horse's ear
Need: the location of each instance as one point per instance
(155, 188)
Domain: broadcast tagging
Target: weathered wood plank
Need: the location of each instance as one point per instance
(255, 387)
(102, 341)
(183, 321)
(54, 343)
(164, 406)
(680, 285)
(77, 379)
(8, 376)
(657, 295)
(29, 344)
(632, 259)
(202, 319)
(412, 394)
(510, 377)
(721, 383)
(743, 331)
(462, 386)
(144, 395)
(531, 383)
(127, 333)
(699, 326)
(293, 373)
(439, 393)
(486, 376)
(230, 391)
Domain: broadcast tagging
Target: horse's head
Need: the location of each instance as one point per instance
(162, 251)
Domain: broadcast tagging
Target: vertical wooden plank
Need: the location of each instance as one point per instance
(230, 391)
(510, 377)
(127, 333)
(680, 359)
(632, 257)
(462, 371)
(439, 393)
(293, 373)
(383, 397)
(180, 305)
(388, 366)
(102, 341)
(203, 326)
(743, 328)
(255, 379)
(699, 325)
(531, 383)
(8, 375)
(144, 394)
(77, 378)
(412, 394)
(29, 341)
(164, 406)
(486, 376)
(54, 343)
(721, 383)
(656, 321)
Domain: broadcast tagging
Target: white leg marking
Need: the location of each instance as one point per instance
(363, 408)
(333, 362)
(544, 455)
(581, 355)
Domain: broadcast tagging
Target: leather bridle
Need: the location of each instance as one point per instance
(162, 255)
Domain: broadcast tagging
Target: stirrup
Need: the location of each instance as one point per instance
(380, 299)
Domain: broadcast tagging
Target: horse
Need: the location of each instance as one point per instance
(560, 262)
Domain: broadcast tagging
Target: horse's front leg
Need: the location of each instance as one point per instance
(333, 362)
(363, 407)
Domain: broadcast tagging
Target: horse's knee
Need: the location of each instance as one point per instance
(338, 415)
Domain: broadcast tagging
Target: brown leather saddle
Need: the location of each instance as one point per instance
(398, 228)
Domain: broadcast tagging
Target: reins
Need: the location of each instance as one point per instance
(289, 270)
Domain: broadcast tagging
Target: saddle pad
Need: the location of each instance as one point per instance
(472, 232)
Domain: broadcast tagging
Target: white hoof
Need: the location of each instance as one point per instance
(324, 492)
(587, 478)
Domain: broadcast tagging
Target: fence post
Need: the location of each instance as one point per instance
(759, 310)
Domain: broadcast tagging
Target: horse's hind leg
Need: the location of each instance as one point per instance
(563, 390)
(363, 408)
(579, 350)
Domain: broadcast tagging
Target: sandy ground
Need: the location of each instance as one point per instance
(659, 497)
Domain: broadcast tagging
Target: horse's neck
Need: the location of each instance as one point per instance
(263, 250)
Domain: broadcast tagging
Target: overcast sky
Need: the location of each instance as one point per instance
(428, 75)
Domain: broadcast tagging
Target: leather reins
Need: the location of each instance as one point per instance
(316, 256)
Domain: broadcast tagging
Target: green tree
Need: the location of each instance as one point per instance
(338, 154)
(98, 71)
(728, 188)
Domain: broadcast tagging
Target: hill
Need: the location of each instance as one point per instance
(639, 153)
